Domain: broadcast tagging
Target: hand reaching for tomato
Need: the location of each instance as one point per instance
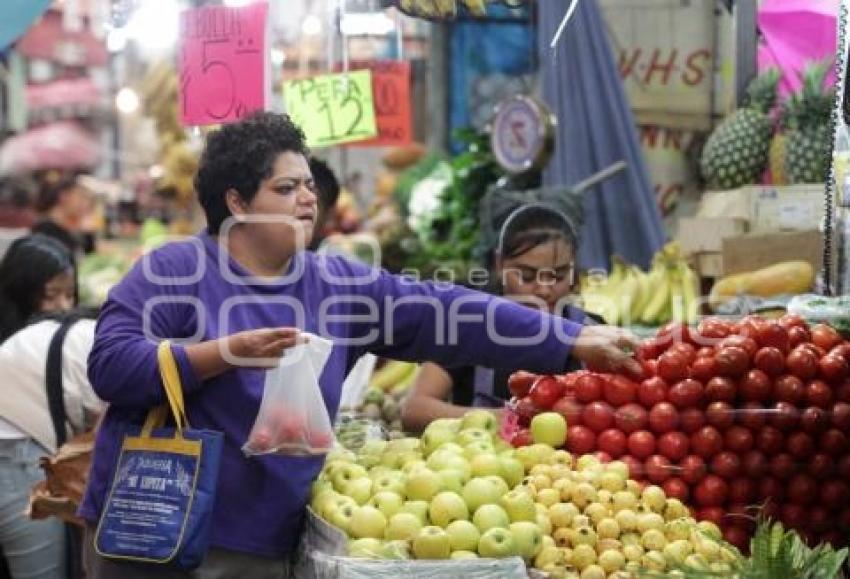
(607, 349)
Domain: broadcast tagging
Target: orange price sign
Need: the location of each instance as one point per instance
(391, 93)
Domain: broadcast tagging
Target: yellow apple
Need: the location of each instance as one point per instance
(463, 535)
(431, 543)
(366, 522)
(447, 507)
(422, 485)
(528, 539)
(497, 542)
(490, 516)
(403, 526)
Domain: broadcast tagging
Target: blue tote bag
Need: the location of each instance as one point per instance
(159, 507)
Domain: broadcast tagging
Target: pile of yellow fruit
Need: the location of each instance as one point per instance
(460, 492)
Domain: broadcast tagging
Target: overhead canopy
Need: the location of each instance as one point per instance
(16, 16)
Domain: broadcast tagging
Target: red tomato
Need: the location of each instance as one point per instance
(732, 361)
(704, 368)
(794, 516)
(603, 456)
(834, 442)
(721, 415)
(747, 344)
(825, 337)
(692, 469)
(790, 389)
(818, 393)
(619, 390)
(755, 386)
(784, 416)
(691, 420)
(650, 349)
(663, 418)
(738, 537)
(833, 368)
(834, 493)
(814, 420)
(522, 437)
(711, 330)
(842, 392)
(770, 440)
(800, 445)
(580, 440)
(771, 488)
(738, 439)
(770, 360)
(658, 468)
(672, 367)
(635, 466)
(742, 491)
(676, 488)
(783, 466)
(525, 410)
(631, 417)
(814, 349)
(720, 389)
(754, 464)
(652, 391)
(685, 394)
(675, 332)
(771, 334)
(841, 416)
(797, 336)
(673, 445)
(589, 388)
(752, 415)
(650, 368)
(820, 519)
(712, 514)
(726, 464)
(705, 352)
(789, 321)
(546, 391)
(686, 350)
(520, 383)
(802, 363)
(706, 442)
(612, 441)
(641, 444)
(570, 409)
(842, 351)
(711, 491)
(821, 466)
(802, 489)
(598, 416)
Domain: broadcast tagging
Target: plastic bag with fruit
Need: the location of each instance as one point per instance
(293, 418)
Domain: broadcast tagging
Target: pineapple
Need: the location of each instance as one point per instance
(736, 152)
(778, 175)
(809, 139)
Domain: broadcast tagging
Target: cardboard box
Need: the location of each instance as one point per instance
(768, 208)
(709, 264)
(758, 250)
(705, 234)
(732, 204)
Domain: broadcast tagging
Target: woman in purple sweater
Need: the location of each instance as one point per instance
(234, 297)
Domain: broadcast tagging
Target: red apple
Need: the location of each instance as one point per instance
(673, 445)
(691, 420)
(641, 444)
(652, 391)
(663, 418)
(598, 416)
(706, 442)
(693, 469)
(580, 440)
(738, 439)
(631, 418)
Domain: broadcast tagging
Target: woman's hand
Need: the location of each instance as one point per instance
(607, 349)
(261, 348)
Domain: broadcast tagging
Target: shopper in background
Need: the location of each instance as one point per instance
(327, 193)
(258, 196)
(534, 261)
(17, 212)
(64, 203)
(36, 287)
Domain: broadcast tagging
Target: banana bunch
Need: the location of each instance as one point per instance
(446, 9)
(395, 376)
(630, 296)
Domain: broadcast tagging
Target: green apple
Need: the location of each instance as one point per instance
(528, 539)
(345, 473)
(406, 457)
(498, 482)
(336, 502)
(544, 523)
(450, 447)
(471, 435)
(396, 550)
(413, 465)
(392, 482)
(422, 485)
(368, 548)
(417, 508)
(359, 489)
(511, 470)
(463, 555)
(388, 502)
(534, 454)
(519, 505)
(447, 460)
(479, 418)
(379, 470)
(479, 491)
(452, 480)
(324, 496)
(451, 424)
(319, 486)
(447, 507)
(369, 460)
(431, 543)
(340, 454)
(485, 464)
(497, 542)
(490, 516)
(502, 446)
(549, 428)
(475, 448)
(367, 521)
(392, 459)
(433, 437)
(373, 446)
(403, 526)
(340, 517)
(463, 536)
(404, 444)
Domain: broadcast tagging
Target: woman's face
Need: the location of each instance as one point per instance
(76, 204)
(543, 273)
(58, 294)
(287, 197)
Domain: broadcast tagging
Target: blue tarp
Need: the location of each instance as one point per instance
(581, 83)
(16, 16)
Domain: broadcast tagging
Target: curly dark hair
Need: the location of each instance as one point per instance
(240, 156)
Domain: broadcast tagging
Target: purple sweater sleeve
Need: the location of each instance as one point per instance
(455, 326)
(123, 367)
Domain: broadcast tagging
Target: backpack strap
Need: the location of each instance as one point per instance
(53, 378)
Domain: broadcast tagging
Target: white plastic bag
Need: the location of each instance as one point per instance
(357, 381)
(293, 418)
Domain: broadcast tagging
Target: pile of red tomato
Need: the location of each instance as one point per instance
(727, 417)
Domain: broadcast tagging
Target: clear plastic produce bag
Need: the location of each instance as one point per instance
(293, 418)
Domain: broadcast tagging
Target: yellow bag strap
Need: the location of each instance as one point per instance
(173, 391)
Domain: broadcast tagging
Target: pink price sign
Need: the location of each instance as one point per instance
(223, 66)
